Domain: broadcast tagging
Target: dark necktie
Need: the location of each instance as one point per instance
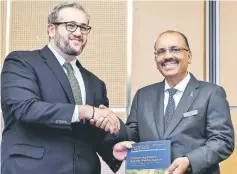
(76, 90)
(170, 109)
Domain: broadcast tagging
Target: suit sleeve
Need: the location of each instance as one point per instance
(21, 97)
(105, 148)
(127, 132)
(219, 132)
(130, 132)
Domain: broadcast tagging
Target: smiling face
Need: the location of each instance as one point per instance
(172, 55)
(67, 42)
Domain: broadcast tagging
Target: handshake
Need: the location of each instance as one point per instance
(101, 117)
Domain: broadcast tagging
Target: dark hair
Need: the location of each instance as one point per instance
(53, 16)
(181, 34)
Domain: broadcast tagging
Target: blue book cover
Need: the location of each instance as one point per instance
(150, 157)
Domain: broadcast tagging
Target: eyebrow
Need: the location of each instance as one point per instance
(173, 46)
(74, 22)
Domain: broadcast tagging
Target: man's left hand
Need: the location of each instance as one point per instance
(179, 166)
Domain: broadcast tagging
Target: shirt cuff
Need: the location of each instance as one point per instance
(75, 116)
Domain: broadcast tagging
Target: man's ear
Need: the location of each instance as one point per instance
(189, 57)
(51, 30)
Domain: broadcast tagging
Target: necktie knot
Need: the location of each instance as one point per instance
(68, 67)
(172, 91)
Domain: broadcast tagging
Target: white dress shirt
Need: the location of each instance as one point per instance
(77, 73)
(177, 96)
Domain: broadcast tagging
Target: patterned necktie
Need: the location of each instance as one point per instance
(74, 83)
(76, 90)
(170, 109)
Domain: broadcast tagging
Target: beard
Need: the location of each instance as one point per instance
(64, 45)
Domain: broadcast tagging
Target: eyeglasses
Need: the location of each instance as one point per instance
(172, 50)
(72, 27)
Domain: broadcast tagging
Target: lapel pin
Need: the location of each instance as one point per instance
(191, 94)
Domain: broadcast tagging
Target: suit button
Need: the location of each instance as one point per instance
(76, 157)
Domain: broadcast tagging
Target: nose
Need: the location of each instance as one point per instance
(77, 32)
(168, 54)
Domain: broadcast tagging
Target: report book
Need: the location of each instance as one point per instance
(150, 157)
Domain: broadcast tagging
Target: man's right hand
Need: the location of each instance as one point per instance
(104, 118)
(109, 122)
(120, 150)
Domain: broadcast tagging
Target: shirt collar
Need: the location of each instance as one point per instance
(60, 58)
(181, 85)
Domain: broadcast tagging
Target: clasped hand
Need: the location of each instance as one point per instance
(106, 119)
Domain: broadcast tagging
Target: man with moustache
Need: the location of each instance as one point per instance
(50, 105)
(192, 114)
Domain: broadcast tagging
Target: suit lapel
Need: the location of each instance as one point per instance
(90, 96)
(57, 69)
(185, 102)
(158, 102)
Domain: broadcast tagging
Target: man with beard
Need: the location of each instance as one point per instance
(54, 109)
(192, 114)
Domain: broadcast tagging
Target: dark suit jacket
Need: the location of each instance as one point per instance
(38, 104)
(206, 137)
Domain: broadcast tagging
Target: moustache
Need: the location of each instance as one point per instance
(79, 38)
(173, 59)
